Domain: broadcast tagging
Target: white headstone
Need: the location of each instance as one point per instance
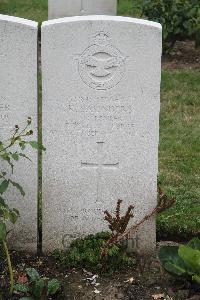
(101, 96)
(18, 101)
(68, 8)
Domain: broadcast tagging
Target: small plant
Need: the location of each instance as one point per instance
(118, 225)
(37, 288)
(182, 261)
(18, 142)
(105, 252)
(86, 253)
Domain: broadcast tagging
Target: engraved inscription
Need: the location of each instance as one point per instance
(101, 66)
(89, 116)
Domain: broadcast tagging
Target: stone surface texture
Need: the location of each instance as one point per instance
(18, 100)
(68, 8)
(101, 102)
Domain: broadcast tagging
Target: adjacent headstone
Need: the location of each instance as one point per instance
(101, 97)
(68, 8)
(18, 101)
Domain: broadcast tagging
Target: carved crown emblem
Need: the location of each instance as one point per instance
(101, 38)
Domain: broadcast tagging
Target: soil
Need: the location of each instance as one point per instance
(183, 56)
(144, 282)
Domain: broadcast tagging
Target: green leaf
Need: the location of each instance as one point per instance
(23, 288)
(5, 213)
(191, 257)
(3, 186)
(2, 231)
(194, 244)
(26, 298)
(168, 253)
(53, 286)
(6, 157)
(13, 216)
(2, 174)
(18, 187)
(36, 145)
(33, 274)
(15, 156)
(196, 278)
(22, 145)
(2, 202)
(171, 261)
(38, 288)
(175, 269)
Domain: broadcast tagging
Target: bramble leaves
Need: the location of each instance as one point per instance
(7, 213)
(18, 139)
(18, 187)
(3, 186)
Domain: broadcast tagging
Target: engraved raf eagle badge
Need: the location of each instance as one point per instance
(101, 65)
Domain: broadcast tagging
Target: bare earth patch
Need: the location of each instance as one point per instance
(184, 56)
(147, 281)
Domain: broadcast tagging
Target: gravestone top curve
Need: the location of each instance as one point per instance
(102, 18)
(18, 20)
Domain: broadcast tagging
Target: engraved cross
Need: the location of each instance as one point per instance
(99, 165)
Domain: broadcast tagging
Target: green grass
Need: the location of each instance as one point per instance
(35, 10)
(179, 158)
(130, 8)
(179, 153)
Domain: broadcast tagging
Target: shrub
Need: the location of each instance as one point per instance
(180, 19)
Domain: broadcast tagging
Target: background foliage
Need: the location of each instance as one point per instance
(180, 18)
